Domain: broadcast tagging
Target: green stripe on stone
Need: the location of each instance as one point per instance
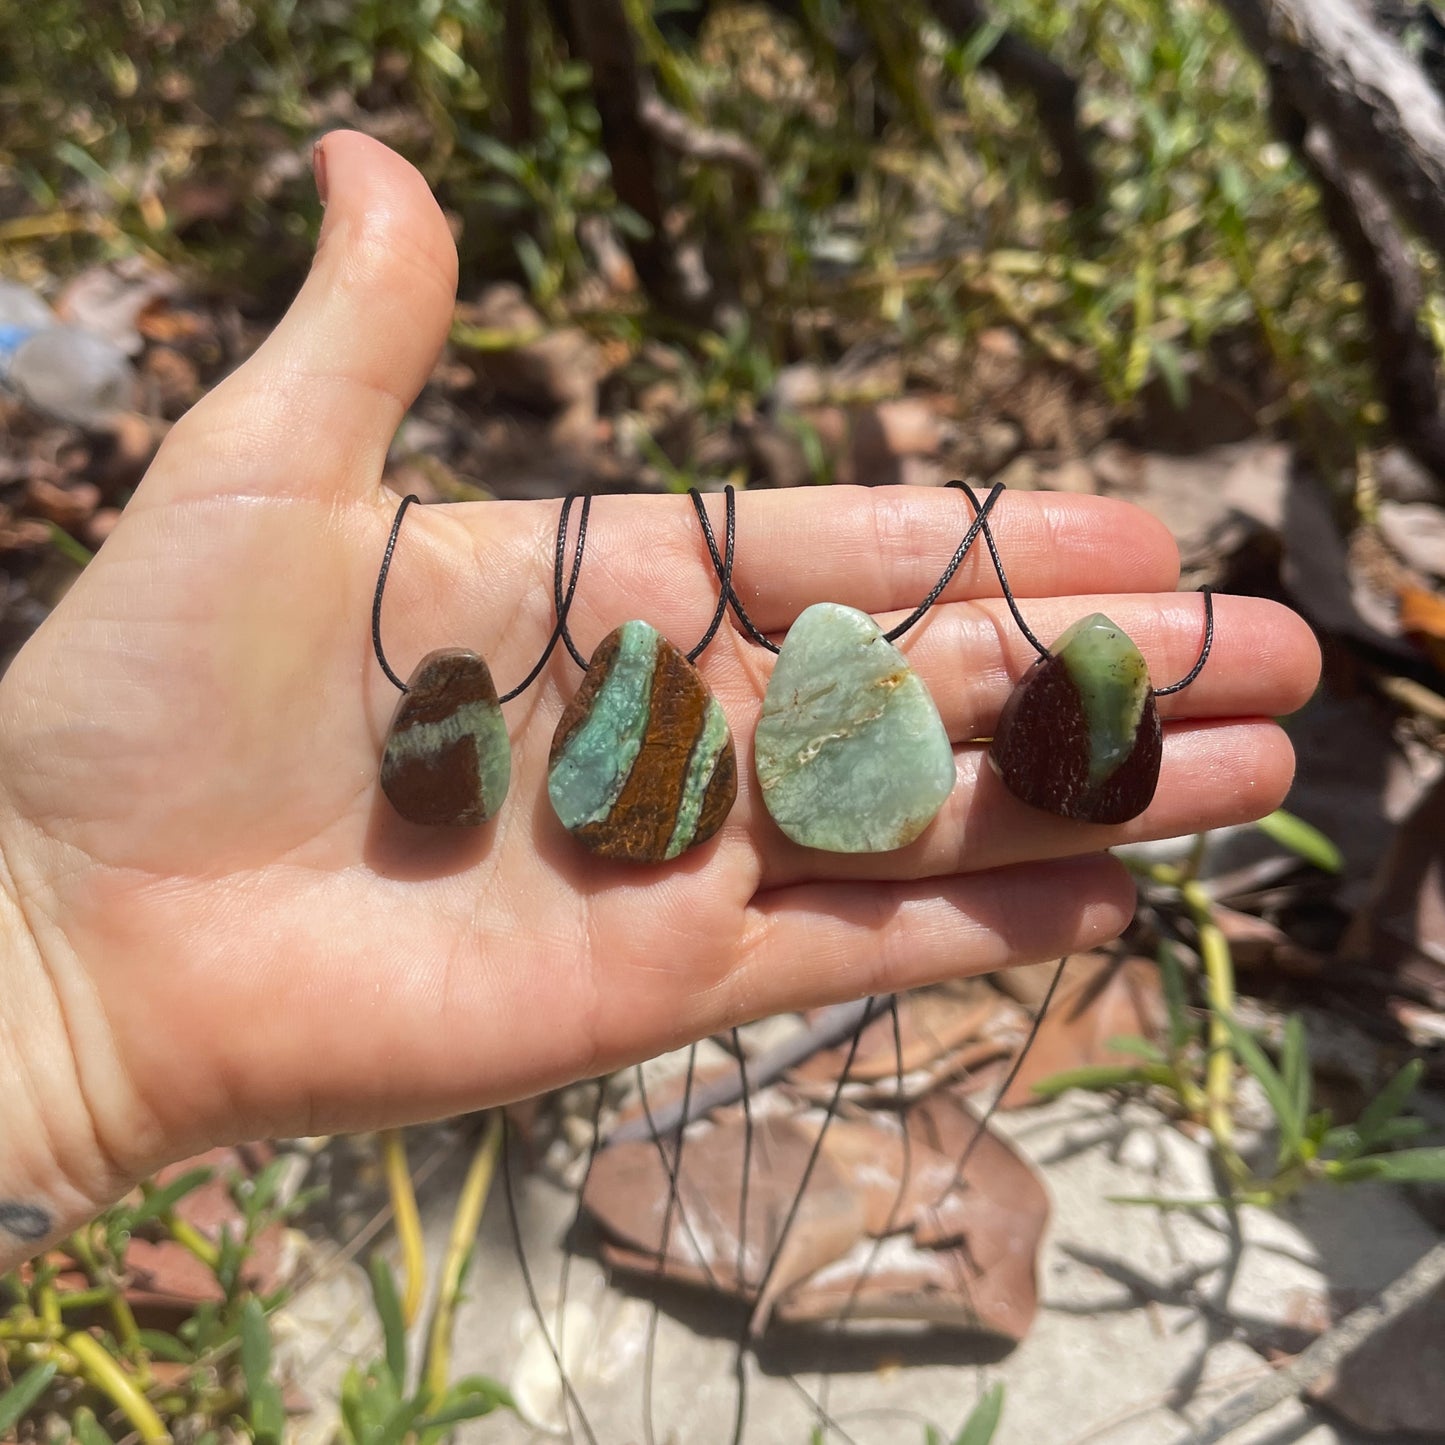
(1112, 679)
(484, 724)
(587, 779)
(700, 767)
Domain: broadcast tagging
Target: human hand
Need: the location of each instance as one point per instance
(216, 928)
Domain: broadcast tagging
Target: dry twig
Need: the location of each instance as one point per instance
(1419, 1281)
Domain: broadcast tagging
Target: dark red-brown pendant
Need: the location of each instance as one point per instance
(447, 759)
(1079, 736)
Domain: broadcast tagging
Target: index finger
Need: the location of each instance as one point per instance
(881, 549)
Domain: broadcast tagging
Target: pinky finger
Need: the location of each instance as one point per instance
(826, 942)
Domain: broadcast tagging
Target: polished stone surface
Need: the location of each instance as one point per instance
(1079, 736)
(447, 759)
(642, 765)
(850, 751)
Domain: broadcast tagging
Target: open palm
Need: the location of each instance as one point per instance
(228, 932)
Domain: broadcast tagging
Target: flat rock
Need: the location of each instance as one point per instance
(850, 751)
(1079, 736)
(1416, 530)
(447, 759)
(642, 764)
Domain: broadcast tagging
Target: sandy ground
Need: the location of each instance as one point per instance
(1144, 1327)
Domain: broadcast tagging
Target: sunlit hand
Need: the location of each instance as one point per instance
(216, 926)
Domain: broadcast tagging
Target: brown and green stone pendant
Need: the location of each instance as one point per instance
(447, 758)
(1079, 736)
(642, 765)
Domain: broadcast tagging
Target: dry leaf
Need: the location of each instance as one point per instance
(990, 1223)
(870, 1183)
(629, 1187)
(933, 1023)
(1099, 999)
(1422, 619)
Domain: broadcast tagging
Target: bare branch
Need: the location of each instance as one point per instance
(1416, 1284)
(1340, 71)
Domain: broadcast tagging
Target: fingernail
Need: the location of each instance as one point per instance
(318, 168)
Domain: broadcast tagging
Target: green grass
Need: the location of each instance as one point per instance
(1208, 235)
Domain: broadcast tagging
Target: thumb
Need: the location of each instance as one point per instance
(312, 412)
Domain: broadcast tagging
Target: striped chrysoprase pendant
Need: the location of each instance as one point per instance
(642, 764)
(447, 758)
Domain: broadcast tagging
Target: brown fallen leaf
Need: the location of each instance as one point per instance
(24, 534)
(1100, 998)
(887, 443)
(1422, 619)
(170, 381)
(164, 1281)
(933, 1022)
(697, 1241)
(870, 1182)
(996, 1214)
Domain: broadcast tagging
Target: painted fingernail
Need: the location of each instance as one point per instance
(318, 168)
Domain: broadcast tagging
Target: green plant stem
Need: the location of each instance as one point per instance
(191, 1238)
(47, 1301)
(465, 1224)
(81, 1299)
(101, 1369)
(1214, 953)
(186, 1234)
(660, 56)
(408, 1222)
(127, 1332)
(31, 1331)
(1219, 988)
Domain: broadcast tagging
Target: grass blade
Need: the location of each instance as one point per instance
(1387, 1104)
(1295, 1069)
(23, 1394)
(267, 1413)
(983, 1422)
(1301, 838)
(468, 1399)
(1281, 1101)
(1176, 999)
(1409, 1166)
(165, 1197)
(1135, 1047)
(1103, 1076)
(388, 1308)
(87, 1430)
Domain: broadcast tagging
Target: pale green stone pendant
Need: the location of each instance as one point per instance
(850, 751)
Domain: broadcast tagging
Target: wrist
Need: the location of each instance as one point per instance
(57, 1166)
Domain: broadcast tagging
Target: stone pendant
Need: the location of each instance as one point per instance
(642, 765)
(1079, 736)
(447, 758)
(850, 751)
